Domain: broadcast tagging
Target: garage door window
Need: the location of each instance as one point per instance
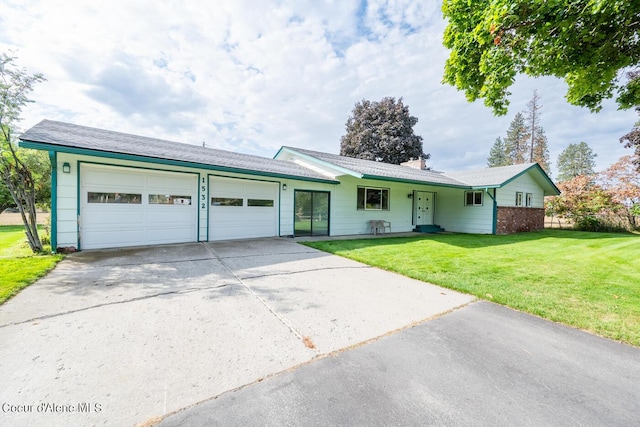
(226, 201)
(265, 203)
(130, 198)
(165, 199)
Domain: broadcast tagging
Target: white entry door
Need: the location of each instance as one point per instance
(424, 207)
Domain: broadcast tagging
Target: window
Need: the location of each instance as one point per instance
(135, 199)
(373, 199)
(226, 201)
(165, 199)
(473, 198)
(529, 200)
(260, 202)
(518, 198)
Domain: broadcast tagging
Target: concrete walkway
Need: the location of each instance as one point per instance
(122, 337)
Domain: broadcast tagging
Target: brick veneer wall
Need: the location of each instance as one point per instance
(517, 219)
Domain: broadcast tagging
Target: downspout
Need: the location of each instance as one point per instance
(494, 224)
(53, 158)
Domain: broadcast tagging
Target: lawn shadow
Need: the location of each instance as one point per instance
(470, 241)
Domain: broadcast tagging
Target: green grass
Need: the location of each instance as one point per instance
(587, 280)
(19, 267)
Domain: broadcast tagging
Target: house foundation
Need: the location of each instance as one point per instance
(518, 219)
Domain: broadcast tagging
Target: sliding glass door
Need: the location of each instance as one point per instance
(311, 213)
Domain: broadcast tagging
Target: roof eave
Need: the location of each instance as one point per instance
(414, 181)
(37, 145)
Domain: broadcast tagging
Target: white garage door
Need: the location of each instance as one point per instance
(241, 208)
(132, 207)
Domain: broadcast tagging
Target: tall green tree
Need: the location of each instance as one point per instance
(382, 131)
(15, 85)
(575, 160)
(540, 151)
(516, 143)
(584, 42)
(497, 156)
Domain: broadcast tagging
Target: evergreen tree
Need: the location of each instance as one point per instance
(516, 144)
(382, 131)
(575, 160)
(541, 151)
(497, 156)
(533, 123)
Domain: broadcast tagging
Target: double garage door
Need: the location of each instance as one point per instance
(123, 206)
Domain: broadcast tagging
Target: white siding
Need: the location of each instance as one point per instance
(453, 215)
(506, 195)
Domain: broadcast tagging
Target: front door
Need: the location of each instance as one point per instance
(424, 207)
(311, 213)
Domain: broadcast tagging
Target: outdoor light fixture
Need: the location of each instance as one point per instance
(284, 187)
(66, 167)
(410, 195)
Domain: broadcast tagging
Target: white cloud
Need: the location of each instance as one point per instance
(251, 76)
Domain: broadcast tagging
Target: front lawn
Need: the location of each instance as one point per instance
(19, 267)
(587, 280)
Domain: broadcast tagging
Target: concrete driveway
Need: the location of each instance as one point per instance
(122, 337)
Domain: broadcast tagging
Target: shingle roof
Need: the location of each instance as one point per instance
(60, 134)
(370, 168)
(490, 177)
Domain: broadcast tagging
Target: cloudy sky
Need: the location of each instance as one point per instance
(251, 76)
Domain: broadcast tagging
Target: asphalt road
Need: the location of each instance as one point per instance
(481, 365)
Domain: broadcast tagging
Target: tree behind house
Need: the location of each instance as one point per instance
(497, 156)
(575, 160)
(382, 131)
(516, 144)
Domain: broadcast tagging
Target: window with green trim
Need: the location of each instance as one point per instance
(529, 200)
(473, 198)
(518, 198)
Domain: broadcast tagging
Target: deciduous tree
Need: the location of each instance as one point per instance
(585, 42)
(576, 159)
(15, 85)
(622, 182)
(382, 131)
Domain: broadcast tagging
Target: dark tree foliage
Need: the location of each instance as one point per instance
(383, 132)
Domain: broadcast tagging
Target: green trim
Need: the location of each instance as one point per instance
(411, 181)
(136, 158)
(53, 159)
(322, 162)
(544, 175)
(494, 222)
(78, 217)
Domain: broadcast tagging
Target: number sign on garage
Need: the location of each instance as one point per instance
(242, 208)
(122, 206)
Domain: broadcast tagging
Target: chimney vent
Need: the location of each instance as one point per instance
(416, 164)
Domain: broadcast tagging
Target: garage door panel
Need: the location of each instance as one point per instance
(121, 179)
(237, 222)
(106, 223)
